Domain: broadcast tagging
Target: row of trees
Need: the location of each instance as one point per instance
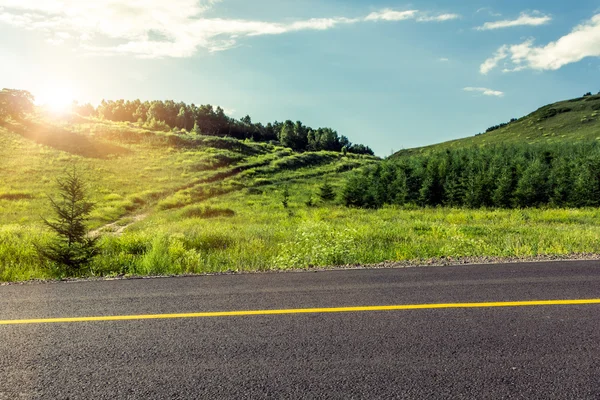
(565, 175)
(208, 120)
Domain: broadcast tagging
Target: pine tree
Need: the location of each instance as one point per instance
(326, 192)
(72, 248)
(503, 194)
(585, 187)
(285, 199)
(561, 183)
(196, 129)
(532, 188)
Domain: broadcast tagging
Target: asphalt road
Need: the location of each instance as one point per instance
(529, 352)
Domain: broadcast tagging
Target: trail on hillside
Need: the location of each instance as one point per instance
(116, 228)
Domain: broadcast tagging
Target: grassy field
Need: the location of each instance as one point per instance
(576, 120)
(173, 204)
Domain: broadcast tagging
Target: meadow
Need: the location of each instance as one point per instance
(177, 204)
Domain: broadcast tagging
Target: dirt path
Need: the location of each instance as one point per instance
(117, 228)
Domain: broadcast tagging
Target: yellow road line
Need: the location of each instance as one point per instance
(301, 311)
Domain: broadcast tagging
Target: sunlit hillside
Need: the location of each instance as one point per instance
(130, 169)
(575, 120)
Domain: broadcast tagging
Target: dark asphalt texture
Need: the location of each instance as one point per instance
(543, 352)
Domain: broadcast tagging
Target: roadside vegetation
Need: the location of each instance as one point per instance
(173, 203)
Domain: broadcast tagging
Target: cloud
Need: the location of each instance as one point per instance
(443, 59)
(524, 20)
(156, 28)
(489, 10)
(484, 91)
(392, 15)
(493, 61)
(583, 41)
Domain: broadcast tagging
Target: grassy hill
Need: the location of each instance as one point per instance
(137, 174)
(179, 203)
(576, 120)
(132, 170)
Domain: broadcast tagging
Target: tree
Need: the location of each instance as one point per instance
(286, 134)
(15, 103)
(586, 191)
(72, 248)
(532, 188)
(506, 182)
(285, 197)
(326, 192)
(196, 129)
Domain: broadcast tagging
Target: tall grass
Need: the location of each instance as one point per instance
(322, 236)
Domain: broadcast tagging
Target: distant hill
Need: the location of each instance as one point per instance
(571, 121)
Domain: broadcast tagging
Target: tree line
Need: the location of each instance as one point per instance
(211, 121)
(510, 176)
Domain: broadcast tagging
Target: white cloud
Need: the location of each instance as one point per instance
(484, 91)
(438, 18)
(493, 61)
(582, 42)
(443, 59)
(156, 28)
(489, 10)
(230, 112)
(524, 20)
(392, 15)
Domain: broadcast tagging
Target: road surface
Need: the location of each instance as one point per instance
(174, 346)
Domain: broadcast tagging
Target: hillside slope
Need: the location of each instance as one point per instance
(133, 170)
(565, 121)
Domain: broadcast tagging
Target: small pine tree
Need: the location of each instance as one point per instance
(72, 249)
(196, 129)
(285, 200)
(326, 192)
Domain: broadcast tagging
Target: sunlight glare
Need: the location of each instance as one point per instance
(57, 100)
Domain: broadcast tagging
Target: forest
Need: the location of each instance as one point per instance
(212, 121)
(502, 176)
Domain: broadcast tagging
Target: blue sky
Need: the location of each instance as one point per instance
(389, 74)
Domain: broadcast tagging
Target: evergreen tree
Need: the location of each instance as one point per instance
(285, 197)
(532, 188)
(72, 248)
(503, 194)
(326, 192)
(585, 186)
(432, 191)
(561, 183)
(196, 129)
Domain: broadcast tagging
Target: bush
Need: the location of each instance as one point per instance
(326, 192)
(206, 212)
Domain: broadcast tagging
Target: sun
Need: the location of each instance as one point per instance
(56, 100)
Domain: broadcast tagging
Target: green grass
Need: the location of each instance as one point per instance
(215, 204)
(580, 123)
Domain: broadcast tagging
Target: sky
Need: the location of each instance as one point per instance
(389, 74)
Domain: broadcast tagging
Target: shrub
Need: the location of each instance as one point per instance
(326, 192)
(206, 212)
